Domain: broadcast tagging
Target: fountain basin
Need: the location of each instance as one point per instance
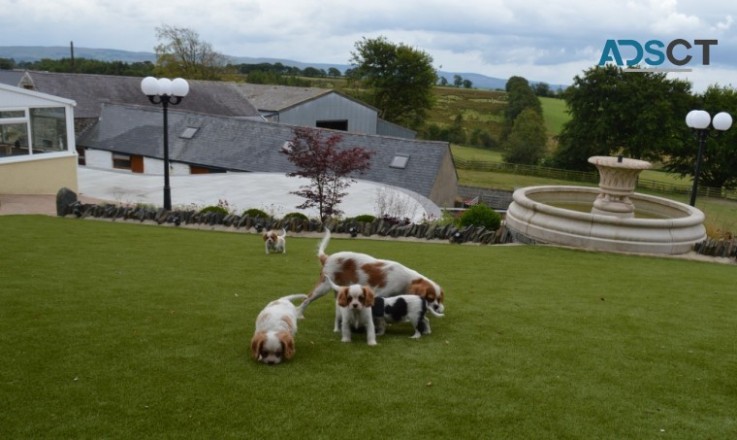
(532, 218)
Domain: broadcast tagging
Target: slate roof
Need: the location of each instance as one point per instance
(10, 77)
(90, 91)
(248, 145)
(274, 98)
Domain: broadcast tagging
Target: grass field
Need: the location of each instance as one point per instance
(114, 330)
(555, 114)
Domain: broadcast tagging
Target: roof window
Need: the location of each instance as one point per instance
(189, 132)
(400, 161)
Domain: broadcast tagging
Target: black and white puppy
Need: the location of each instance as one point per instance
(402, 308)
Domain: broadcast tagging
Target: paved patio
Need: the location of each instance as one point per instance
(269, 192)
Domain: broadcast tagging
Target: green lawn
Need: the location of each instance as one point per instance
(121, 330)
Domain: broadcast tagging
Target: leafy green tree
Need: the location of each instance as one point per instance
(638, 115)
(527, 140)
(334, 72)
(456, 134)
(519, 97)
(719, 161)
(457, 80)
(181, 53)
(313, 72)
(401, 79)
(7, 63)
(467, 84)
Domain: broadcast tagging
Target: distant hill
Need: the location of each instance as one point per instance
(35, 53)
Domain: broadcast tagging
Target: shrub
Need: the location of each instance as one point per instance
(481, 215)
(296, 216)
(255, 213)
(213, 208)
(364, 218)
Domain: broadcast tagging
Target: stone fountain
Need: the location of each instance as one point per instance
(610, 218)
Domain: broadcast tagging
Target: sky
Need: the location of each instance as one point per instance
(542, 40)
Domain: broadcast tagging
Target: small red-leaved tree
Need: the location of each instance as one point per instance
(318, 158)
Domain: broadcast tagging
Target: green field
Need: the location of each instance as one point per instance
(555, 114)
(121, 330)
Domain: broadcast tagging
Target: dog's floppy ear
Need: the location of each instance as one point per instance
(287, 343)
(266, 236)
(343, 297)
(256, 343)
(368, 296)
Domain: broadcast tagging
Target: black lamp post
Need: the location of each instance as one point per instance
(165, 91)
(699, 120)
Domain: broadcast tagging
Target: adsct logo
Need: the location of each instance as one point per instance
(654, 54)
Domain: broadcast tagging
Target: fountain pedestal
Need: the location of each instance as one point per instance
(617, 181)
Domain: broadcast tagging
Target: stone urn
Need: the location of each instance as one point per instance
(617, 182)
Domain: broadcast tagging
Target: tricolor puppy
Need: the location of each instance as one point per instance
(386, 278)
(402, 308)
(353, 307)
(274, 242)
(276, 326)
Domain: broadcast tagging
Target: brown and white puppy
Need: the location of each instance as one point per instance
(276, 325)
(273, 242)
(353, 311)
(386, 278)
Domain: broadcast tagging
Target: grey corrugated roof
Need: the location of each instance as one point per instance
(90, 91)
(247, 145)
(274, 98)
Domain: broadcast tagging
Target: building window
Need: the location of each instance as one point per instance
(188, 132)
(341, 124)
(121, 161)
(39, 130)
(49, 129)
(400, 161)
(13, 133)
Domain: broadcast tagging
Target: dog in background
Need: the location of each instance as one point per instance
(274, 242)
(386, 278)
(353, 310)
(402, 308)
(276, 325)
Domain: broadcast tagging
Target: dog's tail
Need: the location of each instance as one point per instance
(434, 313)
(291, 298)
(323, 245)
(283, 232)
(332, 284)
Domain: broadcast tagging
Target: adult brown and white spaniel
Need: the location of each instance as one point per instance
(385, 277)
(276, 325)
(273, 242)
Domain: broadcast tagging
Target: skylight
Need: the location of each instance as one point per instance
(189, 132)
(399, 161)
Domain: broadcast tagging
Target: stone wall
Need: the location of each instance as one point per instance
(378, 227)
